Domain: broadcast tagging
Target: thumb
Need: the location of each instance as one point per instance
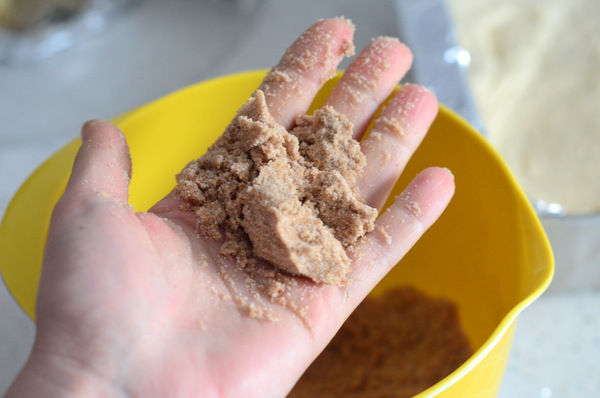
(102, 166)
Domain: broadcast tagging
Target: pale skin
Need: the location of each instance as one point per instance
(123, 307)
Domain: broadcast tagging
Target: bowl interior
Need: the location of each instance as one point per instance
(487, 253)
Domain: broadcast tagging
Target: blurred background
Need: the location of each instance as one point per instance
(523, 72)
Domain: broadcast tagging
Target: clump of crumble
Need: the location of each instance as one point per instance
(288, 197)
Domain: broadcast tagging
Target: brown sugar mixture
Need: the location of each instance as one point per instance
(394, 346)
(288, 197)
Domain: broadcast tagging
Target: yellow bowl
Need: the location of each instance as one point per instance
(488, 252)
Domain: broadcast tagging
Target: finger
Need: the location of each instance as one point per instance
(399, 228)
(395, 136)
(311, 60)
(369, 80)
(102, 166)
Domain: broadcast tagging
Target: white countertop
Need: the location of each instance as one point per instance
(158, 47)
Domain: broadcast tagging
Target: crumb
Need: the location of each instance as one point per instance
(392, 125)
(348, 22)
(287, 197)
(348, 48)
(255, 311)
(414, 207)
(384, 234)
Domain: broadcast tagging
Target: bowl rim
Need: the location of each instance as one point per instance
(509, 318)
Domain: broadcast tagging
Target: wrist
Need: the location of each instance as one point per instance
(49, 373)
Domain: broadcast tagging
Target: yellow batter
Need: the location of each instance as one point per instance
(535, 74)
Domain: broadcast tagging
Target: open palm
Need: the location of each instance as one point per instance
(138, 304)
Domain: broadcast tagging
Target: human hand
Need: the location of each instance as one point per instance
(136, 304)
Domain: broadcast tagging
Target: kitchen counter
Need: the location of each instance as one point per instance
(158, 47)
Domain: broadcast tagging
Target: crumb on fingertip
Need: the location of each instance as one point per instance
(348, 48)
(347, 21)
(385, 39)
(449, 172)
